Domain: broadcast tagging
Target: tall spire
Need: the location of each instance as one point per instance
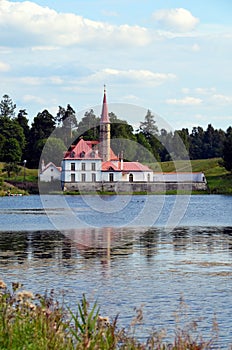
(104, 114)
(104, 146)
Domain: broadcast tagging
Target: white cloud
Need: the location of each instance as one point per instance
(54, 80)
(186, 101)
(195, 48)
(177, 19)
(31, 98)
(29, 23)
(131, 75)
(205, 91)
(222, 99)
(109, 13)
(4, 67)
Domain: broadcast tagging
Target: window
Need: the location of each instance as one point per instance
(111, 177)
(131, 178)
(83, 166)
(93, 177)
(92, 154)
(82, 154)
(51, 169)
(73, 166)
(73, 178)
(148, 178)
(82, 177)
(93, 166)
(52, 178)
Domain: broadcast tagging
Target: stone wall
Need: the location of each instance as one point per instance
(119, 187)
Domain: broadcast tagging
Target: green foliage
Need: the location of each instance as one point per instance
(227, 150)
(88, 127)
(38, 322)
(51, 150)
(42, 127)
(7, 107)
(11, 168)
(12, 140)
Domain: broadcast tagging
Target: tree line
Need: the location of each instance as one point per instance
(21, 142)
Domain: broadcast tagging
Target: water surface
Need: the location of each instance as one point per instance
(82, 247)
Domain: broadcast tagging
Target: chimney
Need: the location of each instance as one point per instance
(42, 165)
(121, 160)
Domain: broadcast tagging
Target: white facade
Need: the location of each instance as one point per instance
(179, 177)
(90, 170)
(50, 173)
(85, 170)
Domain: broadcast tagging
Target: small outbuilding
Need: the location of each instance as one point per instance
(49, 172)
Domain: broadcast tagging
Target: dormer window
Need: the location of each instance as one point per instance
(82, 154)
(92, 154)
(72, 155)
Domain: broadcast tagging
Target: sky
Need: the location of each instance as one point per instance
(172, 57)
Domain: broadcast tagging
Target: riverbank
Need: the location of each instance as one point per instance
(41, 322)
(219, 181)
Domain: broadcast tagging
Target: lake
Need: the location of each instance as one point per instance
(126, 252)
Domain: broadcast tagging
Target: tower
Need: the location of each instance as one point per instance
(105, 131)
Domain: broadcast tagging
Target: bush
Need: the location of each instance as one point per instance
(38, 322)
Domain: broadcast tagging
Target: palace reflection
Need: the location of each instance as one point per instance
(108, 243)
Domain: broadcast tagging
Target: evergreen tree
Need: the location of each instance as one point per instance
(7, 107)
(227, 150)
(196, 143)
(150, 131)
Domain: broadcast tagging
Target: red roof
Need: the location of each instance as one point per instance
(105, 115)
(109, 166)
(127, 167)
(134, 166)
(84, 150)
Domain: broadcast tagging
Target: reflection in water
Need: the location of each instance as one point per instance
(110, 242)
(153, 266)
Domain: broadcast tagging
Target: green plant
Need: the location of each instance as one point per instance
(35, 322)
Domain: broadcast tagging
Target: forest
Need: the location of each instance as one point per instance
(22, 143)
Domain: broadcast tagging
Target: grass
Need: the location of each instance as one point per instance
(38, 322)
(219, 180)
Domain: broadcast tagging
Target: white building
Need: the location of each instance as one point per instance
(93, 165)
(95, 161)
(179, 177)
(50, 172)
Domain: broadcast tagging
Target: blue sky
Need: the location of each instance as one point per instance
(173, 57)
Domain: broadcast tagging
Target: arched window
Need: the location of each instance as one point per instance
(131, 178)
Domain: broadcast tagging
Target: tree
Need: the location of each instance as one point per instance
(42, 127)
(196, 143)
(67, 119)
(10, 130)
(13, 151)
(88, 127)
(11, 167)
(150, 131)
(7, 107)
(227, 150)
(52, 150)
(23, 122)
(148, 127)
(121, 135)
